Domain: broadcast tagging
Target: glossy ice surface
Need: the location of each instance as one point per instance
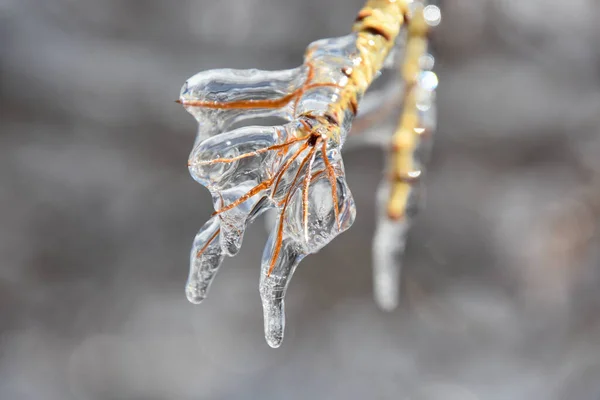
(285, 168)
(295, 170)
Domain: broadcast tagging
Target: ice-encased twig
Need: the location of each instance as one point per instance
(398, 192)
(295, 168)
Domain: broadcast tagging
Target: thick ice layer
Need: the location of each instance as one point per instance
(205, 259)
(297, 241)
(295, 169)
(229, 85)
(389, 243)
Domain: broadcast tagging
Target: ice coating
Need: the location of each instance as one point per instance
(205, 259)
(298, 240)
(295, 169)
(412, 141)
(228, 85)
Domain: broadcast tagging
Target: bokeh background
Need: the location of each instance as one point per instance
(97, 213)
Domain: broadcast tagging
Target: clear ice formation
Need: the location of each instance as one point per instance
(294, 170)
(252, 169)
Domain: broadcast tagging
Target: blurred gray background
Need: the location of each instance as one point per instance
(97, 213)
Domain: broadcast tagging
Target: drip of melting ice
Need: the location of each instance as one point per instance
(234, 164)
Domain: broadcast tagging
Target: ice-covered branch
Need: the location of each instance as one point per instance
(295, 169)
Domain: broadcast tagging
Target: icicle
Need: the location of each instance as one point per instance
(205, 259)
(291, 240)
